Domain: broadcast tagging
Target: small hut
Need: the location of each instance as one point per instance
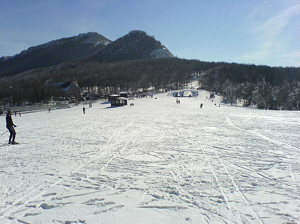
(118, 101)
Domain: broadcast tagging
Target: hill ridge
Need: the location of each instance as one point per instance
(91, 45)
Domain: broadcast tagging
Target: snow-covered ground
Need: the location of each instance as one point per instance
(154, 162)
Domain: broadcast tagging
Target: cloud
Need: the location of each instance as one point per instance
(272, 34)
(274, 25)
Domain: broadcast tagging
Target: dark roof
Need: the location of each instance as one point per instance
(66, 84)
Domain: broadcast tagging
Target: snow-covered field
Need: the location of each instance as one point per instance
(154, 162)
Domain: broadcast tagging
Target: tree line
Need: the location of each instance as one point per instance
(266, 87)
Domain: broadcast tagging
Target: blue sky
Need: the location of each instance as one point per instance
(261, 32)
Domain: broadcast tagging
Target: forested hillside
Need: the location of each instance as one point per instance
(137, 61)
(53, 53)
(264, 86)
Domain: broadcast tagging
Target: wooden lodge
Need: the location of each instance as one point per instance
(118, 101)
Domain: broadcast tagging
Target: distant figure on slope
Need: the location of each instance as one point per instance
(201, 105)
(10, 126)
(83, 109)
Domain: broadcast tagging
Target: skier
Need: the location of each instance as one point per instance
(10, 126)
(83, 109)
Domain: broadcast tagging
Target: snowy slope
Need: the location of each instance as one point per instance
(154, 162)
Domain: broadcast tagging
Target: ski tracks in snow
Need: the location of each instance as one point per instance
(229, 203)
(24, 204)
(195, 166)
(90, 170)
(271, 163)
(234, 206)
(261, 136)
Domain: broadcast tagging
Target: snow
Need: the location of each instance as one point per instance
(154, 162)
(161, 53)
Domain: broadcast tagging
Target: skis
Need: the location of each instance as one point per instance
(8, 144)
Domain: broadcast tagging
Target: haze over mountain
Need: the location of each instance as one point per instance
(134, 45)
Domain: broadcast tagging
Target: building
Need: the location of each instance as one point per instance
(118, 101)
(66, 89)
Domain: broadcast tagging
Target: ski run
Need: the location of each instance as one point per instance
(155, 162)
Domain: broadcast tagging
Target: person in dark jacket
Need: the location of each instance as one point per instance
(10, 126)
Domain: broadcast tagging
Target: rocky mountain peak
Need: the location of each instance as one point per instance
(134, 45)
(91, 46)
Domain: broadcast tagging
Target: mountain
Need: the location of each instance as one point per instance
(135, 45)
(53, 53)
(91, 46)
